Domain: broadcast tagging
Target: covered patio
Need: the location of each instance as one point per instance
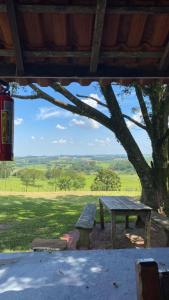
(96, 274)
(82, 41)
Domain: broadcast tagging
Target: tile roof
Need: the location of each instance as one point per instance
(56, 40)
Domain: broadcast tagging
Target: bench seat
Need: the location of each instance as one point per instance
(85, 225)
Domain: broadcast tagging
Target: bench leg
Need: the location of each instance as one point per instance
(113, 228)
(101, 214)
(84, 240)
(127, 222)
(147, 230)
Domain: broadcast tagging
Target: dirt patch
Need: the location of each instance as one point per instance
(126, 238)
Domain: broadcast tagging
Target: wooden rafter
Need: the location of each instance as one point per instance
(97, 35)
(164, 61)
(52, 70)
(65, 54)
(11, 11)
(75, 9)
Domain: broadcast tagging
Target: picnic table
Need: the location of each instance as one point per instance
(124, 206)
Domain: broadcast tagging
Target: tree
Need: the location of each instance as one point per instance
(77, 180)
(154, 106)
(123, 166)
(53, 174)
(29, 176)
(64, 182)
(65, 179)
(106, 180)
(6, 169)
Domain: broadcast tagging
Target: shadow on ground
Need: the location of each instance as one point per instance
(132, 237)
(24, 218)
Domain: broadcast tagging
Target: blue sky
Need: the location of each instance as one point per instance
(44, 129)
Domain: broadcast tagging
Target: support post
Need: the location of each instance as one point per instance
(147, 279)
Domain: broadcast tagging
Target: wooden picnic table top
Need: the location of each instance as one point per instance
(123, 203)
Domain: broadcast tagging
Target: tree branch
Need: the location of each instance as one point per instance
(123, 134)
(143, 109)
(135, 122)
(56, 102)
(92, 98)
(30, 97)
(86, 110)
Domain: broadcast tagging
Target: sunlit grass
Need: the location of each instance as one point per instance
(49, 216)
(129, 182)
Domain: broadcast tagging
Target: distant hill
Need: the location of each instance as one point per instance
(87, 163)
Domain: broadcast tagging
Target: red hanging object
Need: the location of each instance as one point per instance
(6, 123)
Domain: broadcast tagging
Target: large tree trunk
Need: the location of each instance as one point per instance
(155, 195)
(155, 190)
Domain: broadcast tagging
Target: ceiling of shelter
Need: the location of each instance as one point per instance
(84, 40)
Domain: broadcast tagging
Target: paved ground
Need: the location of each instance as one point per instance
(74, 275)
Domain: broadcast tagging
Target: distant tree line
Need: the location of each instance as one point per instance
(64, 179)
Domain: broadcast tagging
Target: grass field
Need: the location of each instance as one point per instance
(129, 182)
(24, 216)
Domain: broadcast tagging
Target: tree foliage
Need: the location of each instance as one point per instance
(153, 105)
(65, 179)
(106, 180)
(6, 169)
(29, 176)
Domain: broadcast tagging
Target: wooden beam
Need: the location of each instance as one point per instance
(3, 8)
(164, 61)
(11, 11)
(76, 54)
(51, 70)
(79, 9)
(97, 35)
(59, 9)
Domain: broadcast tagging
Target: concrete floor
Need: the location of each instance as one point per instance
(74, 275)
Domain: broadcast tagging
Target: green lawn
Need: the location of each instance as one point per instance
(26, 217)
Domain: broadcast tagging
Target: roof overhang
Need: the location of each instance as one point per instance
(84, 41)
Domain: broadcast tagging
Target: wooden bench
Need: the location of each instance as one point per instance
(85, 225)
(162, 222)
(39, 244)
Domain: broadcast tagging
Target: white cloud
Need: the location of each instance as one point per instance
(91, 102)
(78, 122)
(59, 141)
(137, 117)
(42, 138)
(33, 137)
(51, 112)
(104, 142)
(71, 141)
(91, 144)
(85, 122)
(61, 127)
(94, 124)
(47, 112)
(18, 121)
